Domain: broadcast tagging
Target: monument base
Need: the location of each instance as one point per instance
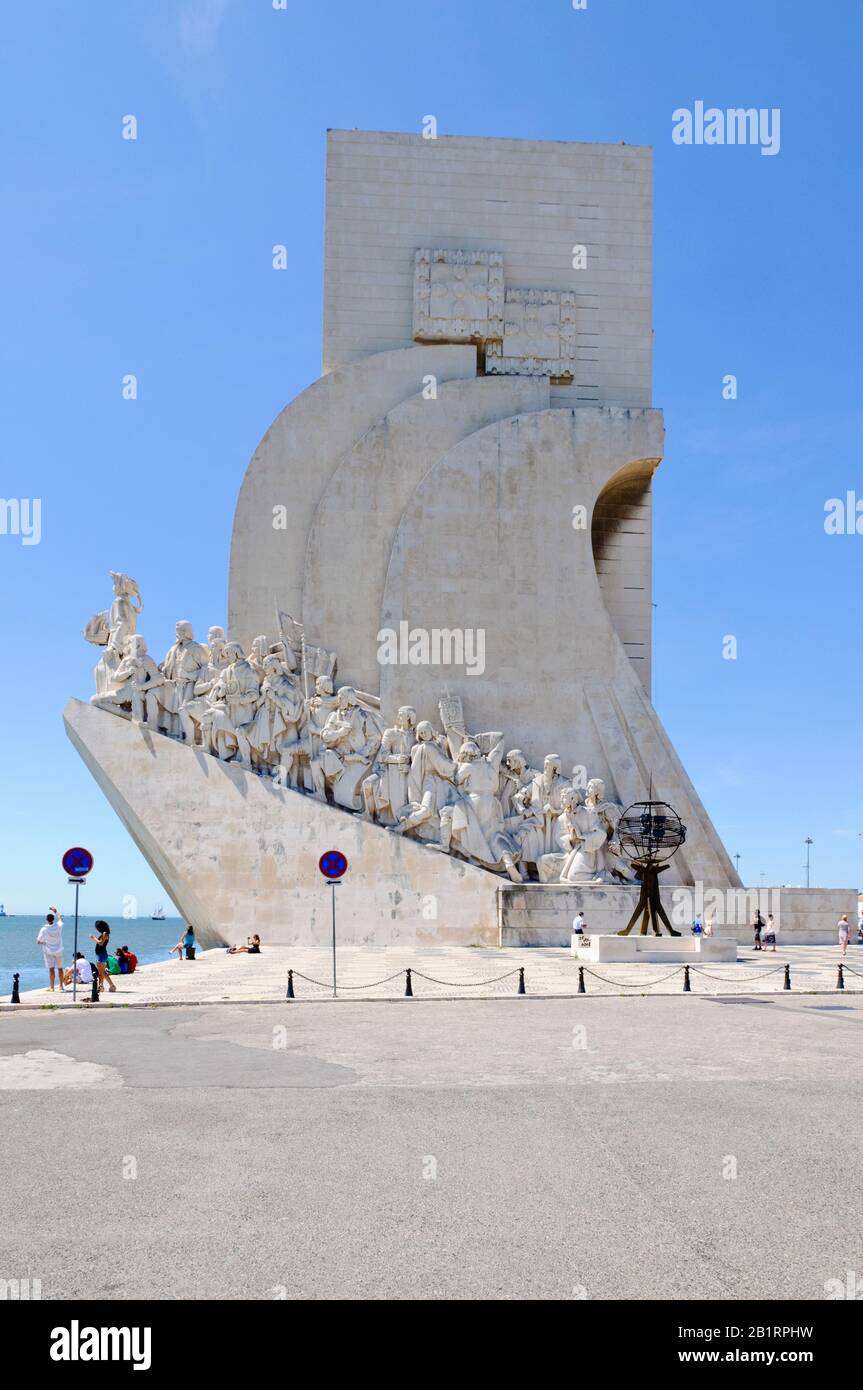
(671, 949)
(540, 914)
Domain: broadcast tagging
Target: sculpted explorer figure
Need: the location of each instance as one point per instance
(514, 775)
(112, 629)
(474, 823)
(350, 740)
(279, 712)
(430, 786)
(133, 684)
(546, 790)
(385, 792)
(183, 666)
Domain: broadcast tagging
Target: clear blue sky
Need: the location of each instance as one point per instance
(154, 257)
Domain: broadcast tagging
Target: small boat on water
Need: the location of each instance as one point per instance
(3, 912)
(158, 914)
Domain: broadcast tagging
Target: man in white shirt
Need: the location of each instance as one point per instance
(50, 938)
(577, 933)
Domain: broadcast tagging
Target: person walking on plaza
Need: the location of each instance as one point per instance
(757, 925)
(50, 938)
(577, 933)
(844, 931)
(102, 955)
(770, 933)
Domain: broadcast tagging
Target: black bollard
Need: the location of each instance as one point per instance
(786, 984)
(687, 988)
(290, 994)
(581, 989)
(521, 988)
(409, 992)
(16, 997)
(840, 978)
(94, 992)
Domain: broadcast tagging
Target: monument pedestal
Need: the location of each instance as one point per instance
(680, 950)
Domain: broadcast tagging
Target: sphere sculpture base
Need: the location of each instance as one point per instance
(682, 950)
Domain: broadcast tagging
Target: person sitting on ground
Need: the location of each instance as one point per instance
(190, 943)
(127, 960)
(83, 971)
(252, 948)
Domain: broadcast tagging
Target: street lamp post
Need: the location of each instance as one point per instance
(807, 842)
(737, 864)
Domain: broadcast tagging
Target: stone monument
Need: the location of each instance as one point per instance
(440, 581)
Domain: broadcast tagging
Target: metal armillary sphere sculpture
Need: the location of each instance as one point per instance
(650, 832)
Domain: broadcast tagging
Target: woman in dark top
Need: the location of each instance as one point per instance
(252, 949)
(102, 955)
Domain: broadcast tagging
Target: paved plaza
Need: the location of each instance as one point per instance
(556, 1149)
(378, 972)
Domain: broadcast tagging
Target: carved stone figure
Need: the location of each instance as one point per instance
(614, 861)
(133, 684)
(184, 663)
(594, 856)
(474, 823)
(195, 723)
(385, 792)
(546, 789)
(275, 727)
(236, 695)
(350, 740)
(514, 775)
(113, 628)
(430, 786)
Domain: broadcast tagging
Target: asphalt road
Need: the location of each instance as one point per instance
(502, 1149)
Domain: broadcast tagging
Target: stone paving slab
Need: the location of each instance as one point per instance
(450, 972)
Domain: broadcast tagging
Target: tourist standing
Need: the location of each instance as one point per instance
(50, 938)
(770, 933)
(843, 930)
(577, 933)
(102, 955)
(756, 926)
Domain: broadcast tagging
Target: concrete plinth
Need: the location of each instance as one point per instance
(671, 949)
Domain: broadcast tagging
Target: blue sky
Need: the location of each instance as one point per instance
(154, 257)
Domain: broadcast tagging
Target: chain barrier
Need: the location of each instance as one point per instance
(733, 979)
(635, 984)
(462, 984)
(411, 974)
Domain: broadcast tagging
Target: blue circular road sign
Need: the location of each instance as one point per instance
(77, 862)
(332, 864)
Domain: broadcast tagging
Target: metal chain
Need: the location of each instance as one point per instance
(463, 984)
(634, 984)
(732, 979)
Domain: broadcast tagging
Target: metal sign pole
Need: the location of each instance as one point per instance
(334, 886)
(75, 947)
